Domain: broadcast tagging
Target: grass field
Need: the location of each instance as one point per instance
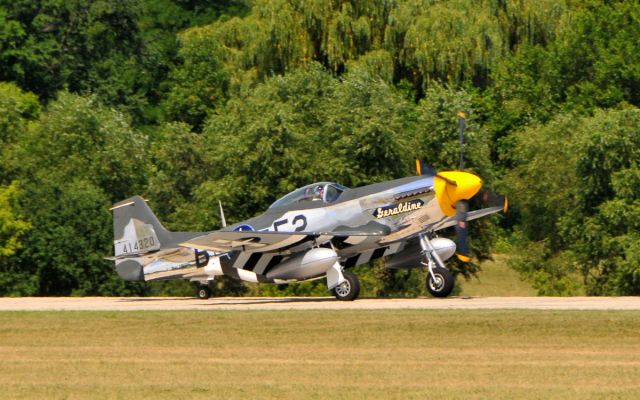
(495, 279)
(320, 354)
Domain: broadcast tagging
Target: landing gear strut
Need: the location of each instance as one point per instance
(349, 289)
(440, 281)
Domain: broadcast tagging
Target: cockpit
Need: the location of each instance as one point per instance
(325, 192)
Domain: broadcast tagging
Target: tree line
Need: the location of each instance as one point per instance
(188, 103)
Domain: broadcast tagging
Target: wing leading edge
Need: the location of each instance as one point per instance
(419, 225)
(267, 241)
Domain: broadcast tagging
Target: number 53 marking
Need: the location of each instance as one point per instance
(299, 222)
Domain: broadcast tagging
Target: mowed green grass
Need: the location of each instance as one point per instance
(466, 354)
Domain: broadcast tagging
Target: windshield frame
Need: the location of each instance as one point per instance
(306, 194)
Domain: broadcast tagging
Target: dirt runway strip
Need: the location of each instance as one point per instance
(313, 303)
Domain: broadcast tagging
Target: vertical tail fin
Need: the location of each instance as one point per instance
(137, 234)
(136, 230)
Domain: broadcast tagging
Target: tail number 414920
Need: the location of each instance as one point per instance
(138, 246)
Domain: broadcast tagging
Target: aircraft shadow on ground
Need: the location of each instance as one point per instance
(226, 301)
(271, 300)
(137, 299)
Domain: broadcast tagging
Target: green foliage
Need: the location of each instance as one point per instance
(121, 50)
(74, 219)
(551, 274)
(12, 226)
(366, 122)
(76, 159)
(542, 185)
(604, 70)
(437, 138)
(395, 282)
(78, 138)
(178, 167)
(70, 235)
(608, 174)
(420, 41)
(199, 84)
(376, 63)
(571, 72)
(258, 146)
(583, 208)
(50, 43)
(17, 108)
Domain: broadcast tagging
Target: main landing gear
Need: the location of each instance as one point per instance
(440, 281)
(349, 289)
(343, 284)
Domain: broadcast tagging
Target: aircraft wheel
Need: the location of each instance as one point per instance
(443, 283)
(349, 289)
(204, 292)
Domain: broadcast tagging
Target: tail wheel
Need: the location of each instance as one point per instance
(204, 292)
(443, 283)
(349, 289)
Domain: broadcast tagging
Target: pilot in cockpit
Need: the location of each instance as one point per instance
(318, 193)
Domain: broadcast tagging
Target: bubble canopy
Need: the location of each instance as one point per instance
(326, 192)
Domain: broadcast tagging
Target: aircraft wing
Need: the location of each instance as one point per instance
(421, 224)
(264, 241)
(470, 216)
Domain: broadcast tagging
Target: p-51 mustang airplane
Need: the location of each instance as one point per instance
(317, 231)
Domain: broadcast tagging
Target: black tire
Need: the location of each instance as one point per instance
(444, 283)
(349, 289)
(204, 292)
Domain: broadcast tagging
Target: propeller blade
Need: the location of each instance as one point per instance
(462, 231)
(485, 198)
(424, 169)
(462, 124)
(222, 219)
